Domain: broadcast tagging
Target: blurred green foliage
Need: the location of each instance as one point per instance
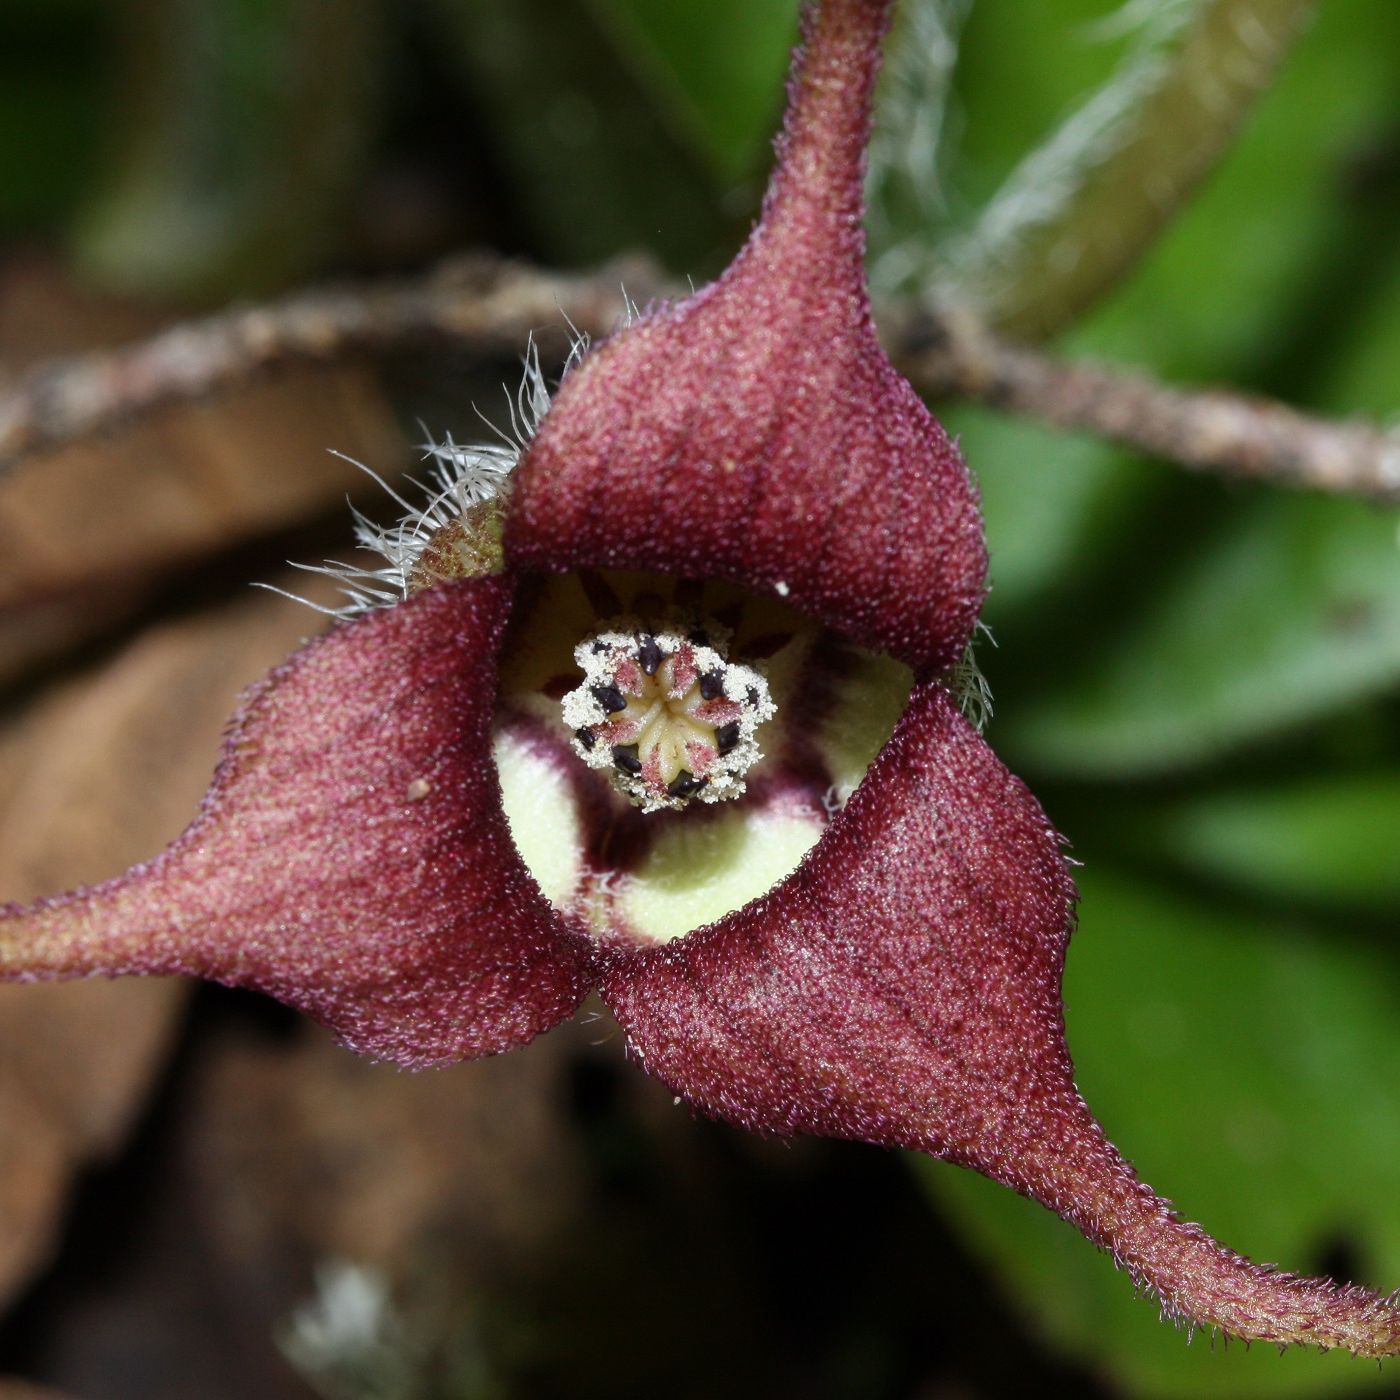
(594, 168)
(1247, 1063)
(1280, 606)
(1324, 840)
(1201, 681)
(50, 108)
(242, 127)
(715, 70)
(1177, 660)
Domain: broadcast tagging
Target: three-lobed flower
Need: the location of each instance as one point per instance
(901, 986)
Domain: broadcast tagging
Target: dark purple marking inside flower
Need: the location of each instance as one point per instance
(686, 784)
(625, 758)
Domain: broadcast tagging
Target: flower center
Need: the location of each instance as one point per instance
(666, 713)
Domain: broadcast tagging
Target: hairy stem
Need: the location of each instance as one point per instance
(1080, 1175)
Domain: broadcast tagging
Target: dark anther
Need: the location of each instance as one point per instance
(753, 697)
(712, 685)
(625, 759)
(585, 737)
(650, 655)
(686, 784)
(727, 737)
(598, 648)
(609, 697)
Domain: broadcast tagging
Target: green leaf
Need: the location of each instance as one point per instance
(1044, 494)
(913, 146)
(1048, 66)
(1283, 248)
(49, 107)
(715, 71)
(1324, 840)
(1362, 375)
(1252, 1073)
(1174, 620)
(1080, 209)
(1289, 613)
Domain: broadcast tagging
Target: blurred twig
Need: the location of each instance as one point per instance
(480, 302)
(492, 306)
(1220, 430)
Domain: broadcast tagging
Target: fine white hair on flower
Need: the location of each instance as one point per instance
(460, 476)
(969, 685)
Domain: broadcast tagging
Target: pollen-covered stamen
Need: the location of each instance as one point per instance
(665, 713)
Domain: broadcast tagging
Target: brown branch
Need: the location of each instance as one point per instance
(1219, 430)
(481, 302)
(491, 306)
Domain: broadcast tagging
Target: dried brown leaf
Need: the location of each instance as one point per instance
(22, 1390)
(45, 312)
(33, 1179)
(178, 486)
(171, 488)
(308, 1153)
(93, 776)
(33, 633)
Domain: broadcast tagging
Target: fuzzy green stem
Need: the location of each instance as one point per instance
(1077, 213)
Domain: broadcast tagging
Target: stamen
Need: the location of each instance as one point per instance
(665, 713)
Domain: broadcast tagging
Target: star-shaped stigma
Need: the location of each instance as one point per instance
(666, 713)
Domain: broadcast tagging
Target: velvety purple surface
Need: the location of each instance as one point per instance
(757, 432)
(903, 987)
(352, 858)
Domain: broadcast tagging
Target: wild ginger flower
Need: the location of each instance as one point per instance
(902, 985)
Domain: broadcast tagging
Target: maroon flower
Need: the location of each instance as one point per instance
(902, 986)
